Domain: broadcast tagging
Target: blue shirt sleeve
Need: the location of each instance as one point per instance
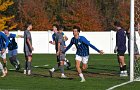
(12, 35)
(53, 37)
(69, 46)
(5, 39)
(89, 44)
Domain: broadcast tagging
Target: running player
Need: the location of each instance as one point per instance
(82, 53)
(12, 49)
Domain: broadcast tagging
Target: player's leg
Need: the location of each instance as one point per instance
(122, 63)
(15, 59)
(4, 62)
(2, 69)
(78, 62)
(26, 62)
(29, 63)
(85, 61)
(62, 59)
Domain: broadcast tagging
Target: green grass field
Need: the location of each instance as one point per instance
(101, 74)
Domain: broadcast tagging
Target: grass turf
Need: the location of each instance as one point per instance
(102, 73)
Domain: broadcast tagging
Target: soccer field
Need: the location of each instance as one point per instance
(102, 73)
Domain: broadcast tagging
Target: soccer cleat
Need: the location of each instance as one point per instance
(29, 72)
(3, 75)
(63, 76)
(83, 80)
(25, 71)
(51, 73)
(18, 67)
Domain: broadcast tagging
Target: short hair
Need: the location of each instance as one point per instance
(76, 27)
(56, 25)
(117, 23)
(61, 27)
(28, 24)
(7, 28)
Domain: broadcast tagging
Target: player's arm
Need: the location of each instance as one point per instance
(92, 46)
(52, 42)
(6, 42)
(29, 43)
(68, 47)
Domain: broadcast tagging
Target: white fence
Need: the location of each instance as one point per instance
(102, 40)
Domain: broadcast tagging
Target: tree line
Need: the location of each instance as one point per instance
(90, 15)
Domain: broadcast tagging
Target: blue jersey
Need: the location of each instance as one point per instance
(82, 45)
(12, 43)
(121, 40)
(3, 41)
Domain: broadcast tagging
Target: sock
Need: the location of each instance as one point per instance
(121, 68)
(124, 68)
(62, 68)
(56, 66)
(12, 62)
(1, 66)
(81, 75)
(65, 63)
(4, 65)
(25, 65)
(17, 61)
(53, 69)
(29, 65)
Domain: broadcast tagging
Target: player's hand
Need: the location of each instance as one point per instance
(32, 48)
(50, 42)
(101, 52)
(3, 50)
(58, 53)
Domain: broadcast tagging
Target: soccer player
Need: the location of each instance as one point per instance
(3, 45)
(28, 48)
(120, 48)
(12, 49)
(55, 42)
(61, 47)
(82, 53)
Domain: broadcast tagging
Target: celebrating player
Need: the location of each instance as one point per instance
(12, 49)
(82, 54)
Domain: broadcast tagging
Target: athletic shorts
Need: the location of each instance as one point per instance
(61, 57)
(27, 53)
(12, 53)
(83, 59)
(3, 56)
(120, 53)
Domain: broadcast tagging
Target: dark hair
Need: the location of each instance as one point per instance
(76, 27)
(28, 24)
(7, 28)
(117, 23)
(61, 27)
(56, 25)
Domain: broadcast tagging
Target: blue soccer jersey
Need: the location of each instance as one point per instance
(82, 45)
(121, 40)
(3, 41)
(12, 44)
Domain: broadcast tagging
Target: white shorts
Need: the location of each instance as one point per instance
(84, 59)
(12, 52)
(3, 56)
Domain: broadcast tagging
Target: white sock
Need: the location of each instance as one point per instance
(52, 69)
(62, 74)
(81, 75)
(65, 63)
(1, 66)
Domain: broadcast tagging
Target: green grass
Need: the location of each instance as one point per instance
(101, 74)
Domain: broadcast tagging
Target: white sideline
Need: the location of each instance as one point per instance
(111, 88)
